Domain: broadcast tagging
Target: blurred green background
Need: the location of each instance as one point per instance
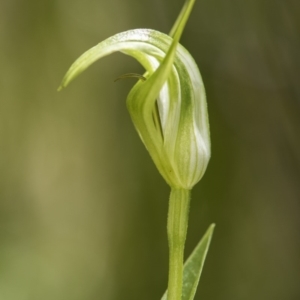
(82, 207)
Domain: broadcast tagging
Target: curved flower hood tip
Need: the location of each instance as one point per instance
(169, 108)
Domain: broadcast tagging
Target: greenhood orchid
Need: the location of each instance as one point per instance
(168, 109)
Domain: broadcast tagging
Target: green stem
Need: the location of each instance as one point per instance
(177, 229)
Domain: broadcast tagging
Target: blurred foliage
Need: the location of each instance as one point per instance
(82, 207)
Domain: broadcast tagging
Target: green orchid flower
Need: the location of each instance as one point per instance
(168, 109)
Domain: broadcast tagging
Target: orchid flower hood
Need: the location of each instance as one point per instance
(168, 108)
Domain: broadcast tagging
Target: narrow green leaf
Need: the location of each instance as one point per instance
(193, 266)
